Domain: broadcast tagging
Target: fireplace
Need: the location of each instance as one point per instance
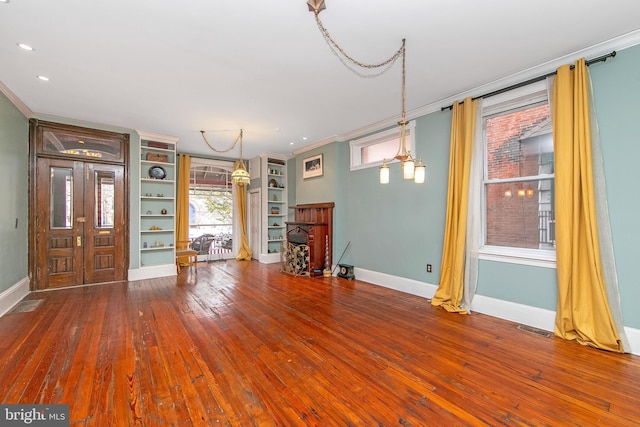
(309, 240)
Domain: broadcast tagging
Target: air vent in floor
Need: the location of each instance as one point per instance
(26, 306)
(535, 331)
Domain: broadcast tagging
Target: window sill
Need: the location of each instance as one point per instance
(531, 257)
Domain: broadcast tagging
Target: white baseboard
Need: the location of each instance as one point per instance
(409, 286)
(152, 272)
(13, 295)
(269, 258)
(633, 336)
(524, 314)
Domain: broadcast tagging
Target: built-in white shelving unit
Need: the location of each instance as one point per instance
(157, 206)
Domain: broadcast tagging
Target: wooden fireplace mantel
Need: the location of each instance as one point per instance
(319, 215)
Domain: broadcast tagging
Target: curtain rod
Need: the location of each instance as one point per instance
(602, 58)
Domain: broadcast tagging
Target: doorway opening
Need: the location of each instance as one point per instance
(211, 209)
(78, 206)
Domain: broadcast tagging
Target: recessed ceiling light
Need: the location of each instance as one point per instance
(304, 138)
(24, 46)
(291, 143)
(4, 1)
(44, 78)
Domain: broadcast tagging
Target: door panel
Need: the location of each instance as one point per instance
(60, 198)
(80, 226)
(103, 229)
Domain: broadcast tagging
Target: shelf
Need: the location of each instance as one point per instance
(163, 181)
(273, 172)
(151, 163)
(157, 196)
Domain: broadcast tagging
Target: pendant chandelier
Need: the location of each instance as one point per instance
(240, 176)
(410, 170)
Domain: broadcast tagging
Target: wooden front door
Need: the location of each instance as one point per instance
(80, 223)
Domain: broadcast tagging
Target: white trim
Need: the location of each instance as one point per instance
(525, 314)
(531, 257)
(633, 336)
(10, 297)
(402, 284)
(269, 258)
(506, 310)
(619, 43)
(153, 272)
(17, 102)
(151, 136)
(313, 146)
(356, 145)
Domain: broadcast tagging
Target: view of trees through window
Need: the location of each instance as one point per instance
(211, 206)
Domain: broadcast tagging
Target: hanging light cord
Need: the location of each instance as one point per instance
(402, 153)
(238, 138)
(340, 53)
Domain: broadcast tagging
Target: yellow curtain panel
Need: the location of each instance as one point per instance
(451, 287)
(182, 202)
(583, 313)
(244, 250)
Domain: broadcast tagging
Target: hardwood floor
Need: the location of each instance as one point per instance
(241, 344)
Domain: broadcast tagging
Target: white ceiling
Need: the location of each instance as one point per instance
(176, 67)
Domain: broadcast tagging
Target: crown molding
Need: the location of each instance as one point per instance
(317, 144)
(17, 102)
(157, 137)
(618, 43)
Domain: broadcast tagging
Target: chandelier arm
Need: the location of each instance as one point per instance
(222, 151)
(331, 42)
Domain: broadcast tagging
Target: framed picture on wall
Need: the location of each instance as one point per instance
(312, 167)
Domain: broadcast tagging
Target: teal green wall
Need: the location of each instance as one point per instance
(398, 228)
(326, 188)
(616, 86)
(14, 154)
(321, 188)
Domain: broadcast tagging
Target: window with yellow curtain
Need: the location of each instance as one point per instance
(518, 178)
(211, 208)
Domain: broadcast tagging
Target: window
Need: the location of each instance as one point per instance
(371, 150)
(518, 179)
(211, 207)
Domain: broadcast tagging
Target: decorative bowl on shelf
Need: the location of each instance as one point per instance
(157, 172)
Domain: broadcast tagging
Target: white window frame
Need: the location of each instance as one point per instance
(356, 145)
(511, 100)
(228, 165)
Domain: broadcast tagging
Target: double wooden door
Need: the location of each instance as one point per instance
(80, 223)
